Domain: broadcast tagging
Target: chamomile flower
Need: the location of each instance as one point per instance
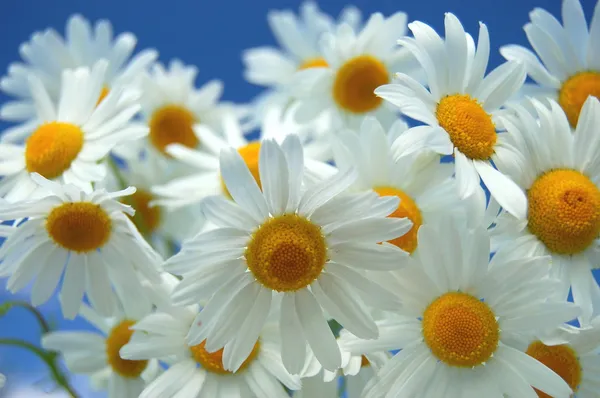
(566, 62)
(89, 236)
(459, 316)
(573, 354)
(560, 172)
(459, 105)
(206, 178)
(71, 138)
(423, 185)
(47, 55)
(172, 106)
(304, 247)
(194, 371)
(357, 63)
(97, 354)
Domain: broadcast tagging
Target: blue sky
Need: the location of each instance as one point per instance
(210, 35)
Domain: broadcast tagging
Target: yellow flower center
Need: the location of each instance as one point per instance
(407, 209)
(313, 63)
(562, 359)
(469, 126)
(146, 218)
(81, 226)
(286, 253)
(51, 149)
(575, 90)
(564, 211)
(172, 124)
(103, 93)
(356, 81)
(460, 330)
(213, 361)
(118, 337)
(250, 154)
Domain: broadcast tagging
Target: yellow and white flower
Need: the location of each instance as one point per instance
(460, 313)
(458, 109)
(97, 354)
(70, 138)
(356, 64)
(566, 61)
(196, 371)
(560, 171)
(304, 249)
(86, 235)
(47, 55)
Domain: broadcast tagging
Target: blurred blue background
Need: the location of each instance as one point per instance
(210, 35)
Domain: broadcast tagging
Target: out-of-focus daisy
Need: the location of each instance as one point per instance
(459, 317)
(460, 104)
(162, 227)
(206, 179)
(289, 244)
(423, 185)
(573, 354)
(47, 55)
(86, 234)
(569, 70)
(172, 106)
(194, 371)
(71, 138)
(97, 354)
(298, 39)
(560, 171)
(357, 63)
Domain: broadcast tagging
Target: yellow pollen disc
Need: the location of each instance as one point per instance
(407, 209)
(250, 154)
(364, 362)
(460, 330)
(564, 211)
(146, 218)
(469, 126)
(562, 359)
(213, 361)
(313, 63)
(286, 253)
(356, 81)
(51, 149)
(118, 337)
(172, 124)
(103, 93)
(81, 226)
(575, 90)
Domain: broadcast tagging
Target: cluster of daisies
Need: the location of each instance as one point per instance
(340, 250)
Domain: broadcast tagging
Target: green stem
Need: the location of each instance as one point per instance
(37, 314)
(50, 358)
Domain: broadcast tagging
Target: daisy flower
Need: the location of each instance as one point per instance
(195, 371)
(357, 63)
(566, 62)
(171, 106)
(71, 138)
(47, 55)
(560, 172)
(573, 354)
(423, 185)
(86, 234)
(304, 249)
(97, 354)
(206, 180)
(460, 104)
(459, 317)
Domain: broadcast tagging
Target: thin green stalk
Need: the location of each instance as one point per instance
(49, 358)
(34, 311)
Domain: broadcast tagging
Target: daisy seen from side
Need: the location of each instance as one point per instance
(459, 105)
(303, 250)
